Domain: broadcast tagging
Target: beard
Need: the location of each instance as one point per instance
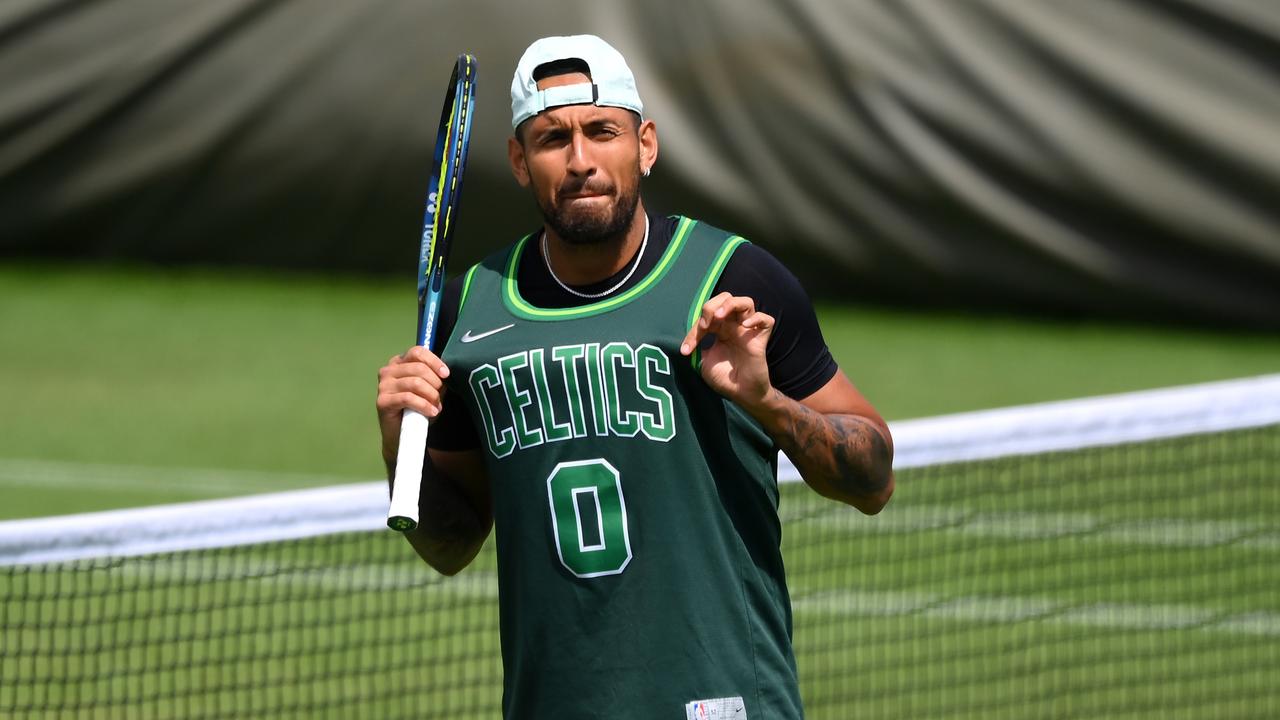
(589, 226)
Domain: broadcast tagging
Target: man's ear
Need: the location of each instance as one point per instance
(515, 154)
(648, 144)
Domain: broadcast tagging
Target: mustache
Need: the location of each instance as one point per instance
(589, 186)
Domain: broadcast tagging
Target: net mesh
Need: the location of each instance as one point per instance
(1128, 580)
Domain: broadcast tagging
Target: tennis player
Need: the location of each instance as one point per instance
(612, 395)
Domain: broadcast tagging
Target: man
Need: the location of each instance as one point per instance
(612, 396)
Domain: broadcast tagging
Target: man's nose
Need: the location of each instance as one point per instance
(580, 160)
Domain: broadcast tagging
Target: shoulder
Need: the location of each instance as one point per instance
(499, 260)
(743, 268)
(493, 267)
(800, 363)
(744, 254)
(457, 288)
(699, 231)
(754, 272)
(753, 264)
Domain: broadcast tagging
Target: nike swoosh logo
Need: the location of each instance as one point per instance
(467, 337)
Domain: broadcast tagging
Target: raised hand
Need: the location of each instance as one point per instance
(735, 365)
(413, 380)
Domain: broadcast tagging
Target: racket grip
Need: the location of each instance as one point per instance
(403, 515)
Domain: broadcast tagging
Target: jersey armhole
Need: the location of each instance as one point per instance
(466, 286)
(462, 300)
(708, 284)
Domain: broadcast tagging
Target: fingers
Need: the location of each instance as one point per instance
(758, 321)
(722, 313)
(414, 379)
(417, 361)
(420, 354)
(718, 305)
(411, 392)
(392, 404)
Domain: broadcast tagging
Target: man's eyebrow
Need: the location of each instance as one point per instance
(594, 121)
(601, 120)
(549, 126)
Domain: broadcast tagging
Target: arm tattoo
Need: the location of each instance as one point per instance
(848, 450)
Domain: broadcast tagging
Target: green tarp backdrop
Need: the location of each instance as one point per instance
(1099, 156)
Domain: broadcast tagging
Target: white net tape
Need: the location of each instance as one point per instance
(1028, 429)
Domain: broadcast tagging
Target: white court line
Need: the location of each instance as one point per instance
(196, 482)
(1010, 609)
(1159, 532)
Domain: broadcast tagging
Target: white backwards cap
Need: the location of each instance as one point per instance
(612, 83)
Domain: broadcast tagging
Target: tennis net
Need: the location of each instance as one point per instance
(1115, 556)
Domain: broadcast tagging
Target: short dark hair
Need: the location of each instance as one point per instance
(561, 67)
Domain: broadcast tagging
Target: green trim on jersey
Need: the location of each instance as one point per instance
(462, 301)
(466, 288)
(709, 283)
(519, 307)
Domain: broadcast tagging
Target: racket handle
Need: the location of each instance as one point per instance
(403, 515)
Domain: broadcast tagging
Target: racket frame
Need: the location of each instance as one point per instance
(443, 196)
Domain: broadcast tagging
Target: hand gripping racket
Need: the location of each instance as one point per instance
(444, 191)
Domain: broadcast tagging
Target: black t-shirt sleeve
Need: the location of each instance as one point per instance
(799, 361)
(452, 428)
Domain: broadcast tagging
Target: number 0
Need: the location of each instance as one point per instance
(589, 518)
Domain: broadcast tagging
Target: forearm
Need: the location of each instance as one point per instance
(841, 456)
(451, 530)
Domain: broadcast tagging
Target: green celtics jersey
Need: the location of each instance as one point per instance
(635, 509)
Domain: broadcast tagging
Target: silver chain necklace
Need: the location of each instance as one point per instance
(546, 258)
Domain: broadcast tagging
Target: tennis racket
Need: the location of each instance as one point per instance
(444, 192)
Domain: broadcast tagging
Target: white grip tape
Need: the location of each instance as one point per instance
(409, 461)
